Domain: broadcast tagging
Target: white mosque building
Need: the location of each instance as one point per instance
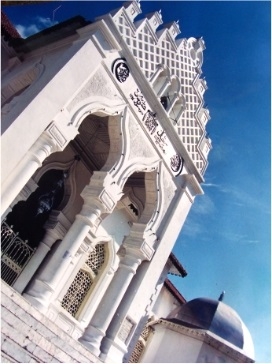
(104, 149)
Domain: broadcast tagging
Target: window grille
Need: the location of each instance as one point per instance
(140, 345)
(83, 281)
(96, 258)
(77, 292)
(15, 254)
(146, 332)
(137, 352)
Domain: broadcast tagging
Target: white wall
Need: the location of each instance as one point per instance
(167, 346)
(165, 303)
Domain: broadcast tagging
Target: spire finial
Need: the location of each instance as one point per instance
(221, 296)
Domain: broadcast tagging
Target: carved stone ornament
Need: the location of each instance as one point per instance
(177, 164)
(138, 100)
(120, 69)
(150, 121)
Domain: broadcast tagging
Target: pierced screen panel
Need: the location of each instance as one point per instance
(96, 258)
(140, 345)
(77, 292)
(152, 46)
(137, 352)
(83, 281)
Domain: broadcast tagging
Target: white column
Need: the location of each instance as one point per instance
(51, 274)
(41, 149)
(136, 252)
(114, 344)
(43, 248)
(96, 330)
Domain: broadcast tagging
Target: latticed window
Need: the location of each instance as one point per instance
(77, 292)
(140, 345)
(83, 281)
(96, 258)
(146, 332)
(137, 352)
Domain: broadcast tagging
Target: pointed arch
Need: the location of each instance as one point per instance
(102, 261)
(70, 183)
(99, 105)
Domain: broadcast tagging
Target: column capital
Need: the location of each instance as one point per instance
(191, 186)
(141, 249)
(43, 147)
(62, 129)
(102, 189)
(136, 242)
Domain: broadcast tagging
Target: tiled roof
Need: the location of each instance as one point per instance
(176, 268)
(171, 288)
(7, 28)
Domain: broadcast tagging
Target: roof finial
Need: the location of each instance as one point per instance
(221, 296)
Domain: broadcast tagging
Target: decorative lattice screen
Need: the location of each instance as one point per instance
(150, 48)
(137, 352)
(77, 292)
(96, 258)
(83, 281)
(140, 345)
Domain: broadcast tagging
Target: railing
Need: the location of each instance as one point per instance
(15, 254)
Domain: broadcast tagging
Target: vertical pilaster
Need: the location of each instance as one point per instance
(135, 252)
(96, 329)
(138, 296)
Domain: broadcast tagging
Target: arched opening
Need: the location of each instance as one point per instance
(135, 189)
(28, 217)
(92, 143)
(56, 201)
(23, 228)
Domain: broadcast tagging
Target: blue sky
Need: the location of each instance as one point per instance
(225, 243)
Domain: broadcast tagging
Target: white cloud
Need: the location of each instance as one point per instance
(26, 31)
(192, 228)
(47, 22)
(210, 185)
(39, 24)
(204, 205)
(234, 237)
(239, 196)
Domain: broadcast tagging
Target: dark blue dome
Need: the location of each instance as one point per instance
(212, 315)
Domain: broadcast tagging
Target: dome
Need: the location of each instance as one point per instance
(216, 317)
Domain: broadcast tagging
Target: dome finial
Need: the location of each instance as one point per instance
(221, 296)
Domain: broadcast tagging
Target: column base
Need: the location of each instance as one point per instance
(39, 295)
(92, 340)
(112, 351)
(35, 302)
(32, 266)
